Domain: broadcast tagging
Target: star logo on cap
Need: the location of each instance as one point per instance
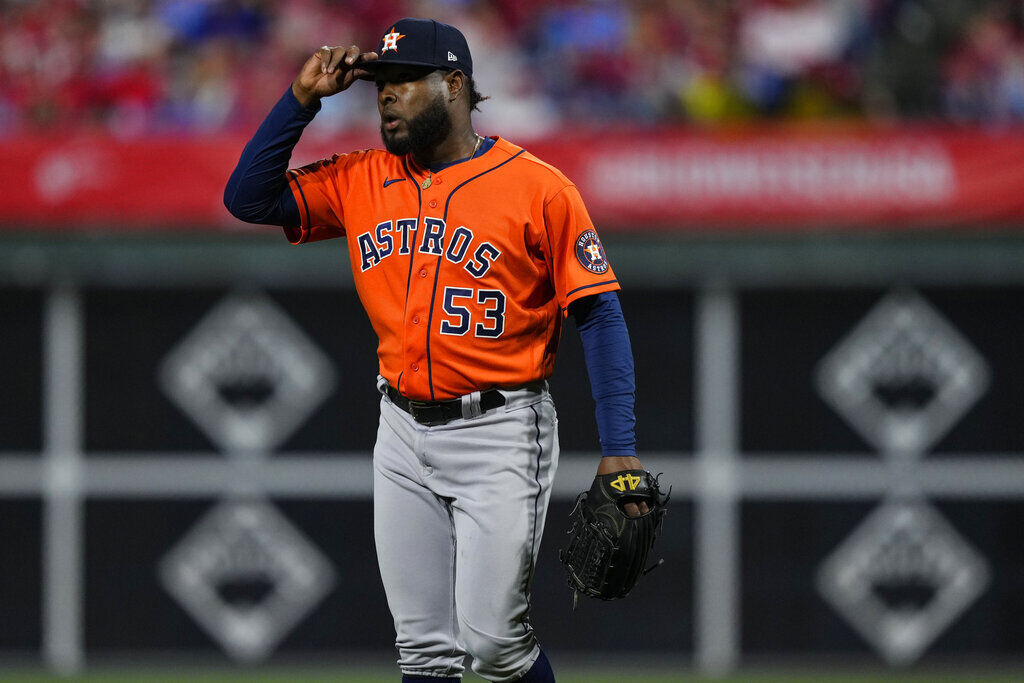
(391, 40)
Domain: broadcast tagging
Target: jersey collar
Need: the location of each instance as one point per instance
(462, 169)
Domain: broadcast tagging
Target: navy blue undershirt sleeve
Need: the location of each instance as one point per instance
(609, 358)
(257, 191)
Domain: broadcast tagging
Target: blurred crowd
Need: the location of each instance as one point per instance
(144, 67)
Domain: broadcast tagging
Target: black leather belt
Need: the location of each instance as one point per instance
(433, 413)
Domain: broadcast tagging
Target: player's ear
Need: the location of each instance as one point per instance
(456, 81)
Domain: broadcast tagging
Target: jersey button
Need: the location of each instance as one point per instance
(415, 320)
(423, 272)
(433, 203)
(414, 367)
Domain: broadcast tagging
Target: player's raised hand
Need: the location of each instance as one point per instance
(329, 71)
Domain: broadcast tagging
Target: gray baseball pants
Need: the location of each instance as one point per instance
(459, 512)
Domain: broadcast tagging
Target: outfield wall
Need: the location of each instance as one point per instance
(184, 451)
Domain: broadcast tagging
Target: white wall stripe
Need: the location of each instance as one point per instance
(716, 524)
(345, 475)
(62, 440)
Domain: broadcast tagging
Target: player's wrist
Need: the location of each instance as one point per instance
(306, 98)
(618, 463)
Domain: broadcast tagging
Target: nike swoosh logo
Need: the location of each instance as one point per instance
(396, 180)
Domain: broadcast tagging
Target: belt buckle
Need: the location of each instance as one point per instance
(415, 407)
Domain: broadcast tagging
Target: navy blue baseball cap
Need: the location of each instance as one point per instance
(424, 42)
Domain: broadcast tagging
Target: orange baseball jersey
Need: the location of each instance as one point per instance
(465, 273)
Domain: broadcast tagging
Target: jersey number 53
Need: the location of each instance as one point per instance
(460, 319)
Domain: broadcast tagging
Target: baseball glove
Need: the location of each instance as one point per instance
(607, 548)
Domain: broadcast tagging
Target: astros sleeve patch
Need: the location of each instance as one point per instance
(579, 263)
(590, 253)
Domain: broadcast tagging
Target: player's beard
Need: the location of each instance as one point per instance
(425, 131)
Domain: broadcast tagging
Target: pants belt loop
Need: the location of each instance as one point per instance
(471, 406)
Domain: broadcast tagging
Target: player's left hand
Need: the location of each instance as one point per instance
(608, 545)
(617, 463)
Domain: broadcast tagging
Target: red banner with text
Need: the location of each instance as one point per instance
(665, 180)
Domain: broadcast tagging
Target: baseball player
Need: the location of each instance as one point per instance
(467, 252)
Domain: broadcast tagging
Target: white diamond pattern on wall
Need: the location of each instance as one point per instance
(247, 576)
(903, 377)
(247, 375)
(902, 578)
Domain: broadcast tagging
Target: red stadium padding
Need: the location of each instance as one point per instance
(820, 178)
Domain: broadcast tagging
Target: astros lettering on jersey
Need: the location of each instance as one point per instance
(493, 248)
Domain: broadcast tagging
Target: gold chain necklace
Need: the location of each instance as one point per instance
(429, 179)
